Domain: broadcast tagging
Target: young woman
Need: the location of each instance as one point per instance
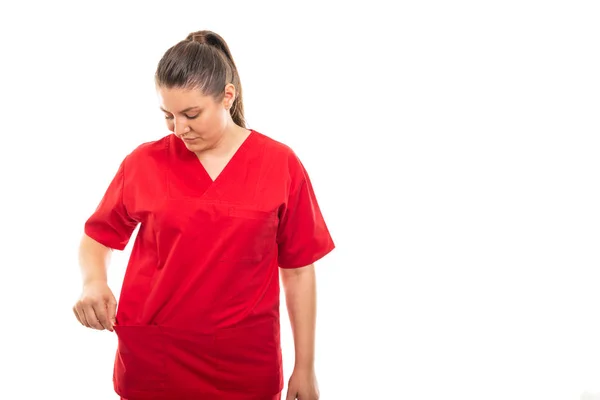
(223, 211)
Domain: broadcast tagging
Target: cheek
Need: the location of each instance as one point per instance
(170, 125)
(207, 123)
(220, 118)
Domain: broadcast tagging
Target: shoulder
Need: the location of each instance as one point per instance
(278, 151)
(282, 159)
(150, 151)
(151, 148)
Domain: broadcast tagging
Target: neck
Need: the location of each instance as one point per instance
(228, 142)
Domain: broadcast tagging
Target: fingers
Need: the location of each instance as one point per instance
(112, 312)
(79, 312)
(95, 315)
(101, 311)
(77, 315)
(97, 307)
(291, 395)
(91, 318)
(82, 318)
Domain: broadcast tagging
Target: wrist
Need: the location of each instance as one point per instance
(307, 367)
(94, 280)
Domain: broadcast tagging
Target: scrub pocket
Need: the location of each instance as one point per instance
(140, 361)
(190, 364)
(249, 360)
(250, 234)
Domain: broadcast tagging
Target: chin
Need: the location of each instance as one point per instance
(196, 145)
(193, 145)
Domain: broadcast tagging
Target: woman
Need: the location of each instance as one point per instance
(223, 210)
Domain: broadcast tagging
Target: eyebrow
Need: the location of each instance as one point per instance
(187, 109)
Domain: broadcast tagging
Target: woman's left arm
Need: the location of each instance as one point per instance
(301, 300)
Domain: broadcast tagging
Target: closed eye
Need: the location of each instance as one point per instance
(187, 116)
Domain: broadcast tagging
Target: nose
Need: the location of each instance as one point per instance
(180, 128)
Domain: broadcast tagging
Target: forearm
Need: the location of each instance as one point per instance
(93, 260)
(300, 294)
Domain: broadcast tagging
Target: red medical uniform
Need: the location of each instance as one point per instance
(198, 314)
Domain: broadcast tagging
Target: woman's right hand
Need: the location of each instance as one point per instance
(97, 306)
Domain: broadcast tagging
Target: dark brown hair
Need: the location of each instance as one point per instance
(202, 61)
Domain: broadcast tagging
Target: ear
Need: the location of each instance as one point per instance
(229, 96)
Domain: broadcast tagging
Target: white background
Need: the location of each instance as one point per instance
(454, 148)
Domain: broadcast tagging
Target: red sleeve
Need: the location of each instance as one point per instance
(110, 224)
(303, 237)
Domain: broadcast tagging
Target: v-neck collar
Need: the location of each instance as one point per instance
(232, 160)
(194, 178)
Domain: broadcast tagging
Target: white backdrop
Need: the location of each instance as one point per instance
(453, 146)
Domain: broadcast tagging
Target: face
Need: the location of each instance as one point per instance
(198, 120)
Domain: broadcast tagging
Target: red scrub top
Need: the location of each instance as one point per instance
(198, 315)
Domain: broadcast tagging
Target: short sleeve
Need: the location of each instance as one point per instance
(303, 237)
(110, 224)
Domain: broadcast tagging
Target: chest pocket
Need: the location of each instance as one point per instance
(249, 235)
